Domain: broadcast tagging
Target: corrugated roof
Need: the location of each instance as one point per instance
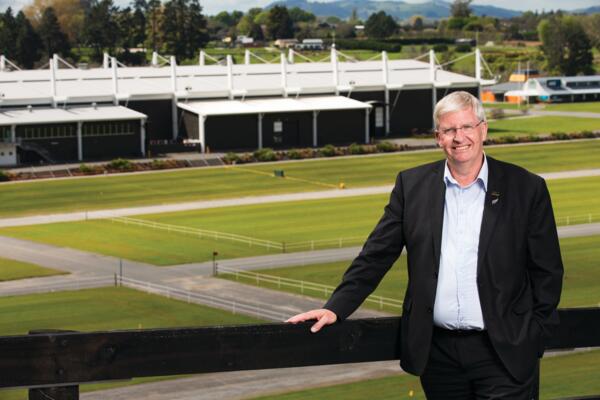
(272, 105)
(67, 115)
(211, 81)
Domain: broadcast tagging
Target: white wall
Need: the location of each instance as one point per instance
(8, 154)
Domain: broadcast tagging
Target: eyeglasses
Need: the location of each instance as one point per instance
(467, 129)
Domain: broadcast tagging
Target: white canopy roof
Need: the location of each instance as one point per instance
(273, 105)
(66, 115)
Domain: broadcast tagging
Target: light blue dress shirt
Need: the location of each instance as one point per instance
(457, 303)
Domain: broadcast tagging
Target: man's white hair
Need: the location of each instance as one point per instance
(458, 101)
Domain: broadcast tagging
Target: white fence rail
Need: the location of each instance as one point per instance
(303, 286)
(577, 219)
(199, 233)
(305, 245)
(255, 309)
(60, 285)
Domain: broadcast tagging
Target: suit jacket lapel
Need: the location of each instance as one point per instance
(436, 210)
(491, 209)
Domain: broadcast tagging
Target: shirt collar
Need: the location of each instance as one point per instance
(482, 177)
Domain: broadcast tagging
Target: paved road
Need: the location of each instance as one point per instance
(197, 205)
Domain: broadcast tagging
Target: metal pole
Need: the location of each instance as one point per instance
(283, 74)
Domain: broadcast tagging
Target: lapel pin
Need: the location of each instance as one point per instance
(495, 197)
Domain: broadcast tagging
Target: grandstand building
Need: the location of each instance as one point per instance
(72, 114)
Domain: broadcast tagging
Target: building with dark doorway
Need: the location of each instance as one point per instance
(217, 107)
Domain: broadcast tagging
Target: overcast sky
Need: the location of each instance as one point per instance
(214, 6)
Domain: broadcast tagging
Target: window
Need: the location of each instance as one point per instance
(46, 131)
(5, 135)
(109, 128)
(277, 126)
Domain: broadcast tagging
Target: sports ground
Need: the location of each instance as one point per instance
(262, 229)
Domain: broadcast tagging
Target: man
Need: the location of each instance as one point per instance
(484, 266)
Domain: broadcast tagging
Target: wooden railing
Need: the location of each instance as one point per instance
(54, 364)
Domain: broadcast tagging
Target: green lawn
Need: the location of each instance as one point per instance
(541, 125)
(12, 270)
(561, 376)
(105, 192)
(580, 286)
(591, 106)
(103, 309)
(350, 218)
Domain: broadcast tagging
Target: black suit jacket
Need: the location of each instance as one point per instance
(519, 269)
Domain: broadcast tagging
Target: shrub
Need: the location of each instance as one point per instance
(4, 176)
(121, 164)
(86, 169)
(295, 154)
(560, 136)
(231, 158)
(463, 48)
(386, 147)
(265, 154)
(497, 113)
(508, 139)
(355, 148)
(440, 48)
(327, 151)
(588, 134)
(159, 164)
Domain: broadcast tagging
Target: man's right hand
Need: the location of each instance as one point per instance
(322, 315)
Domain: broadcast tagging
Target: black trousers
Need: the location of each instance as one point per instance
(464, 365)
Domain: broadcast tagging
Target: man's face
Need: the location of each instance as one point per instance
(461, 135)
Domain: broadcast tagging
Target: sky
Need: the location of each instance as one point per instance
(212, 7)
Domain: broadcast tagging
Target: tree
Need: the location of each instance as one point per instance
(566, 46)
(591, 25)
(8, 33)
(53, 38)
(27, 42)
(248, 27)
(380, 25)
(101, 30)
(279, 24)
(153, 15)
(140, 8)
(299, 15)
(184, 28)
(344, 30)
(460, 9)
(416, 22)
(70, 15)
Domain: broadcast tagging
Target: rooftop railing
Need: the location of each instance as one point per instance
(54, 364)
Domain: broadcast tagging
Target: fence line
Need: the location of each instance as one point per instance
(256, 309)
(304, 286)
(578, 219)
(200, 233)
(250, 241)
(66, 284)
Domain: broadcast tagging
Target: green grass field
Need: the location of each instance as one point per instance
(30, 198)
(561, 376)
(580, 286)
(592, 106)
(103, 309)
(348, 218)
(540, 125)
(12, 270)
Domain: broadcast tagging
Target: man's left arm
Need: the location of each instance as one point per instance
(545, 266)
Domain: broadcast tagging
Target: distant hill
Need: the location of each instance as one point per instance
(434, 9)
(589, 10)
